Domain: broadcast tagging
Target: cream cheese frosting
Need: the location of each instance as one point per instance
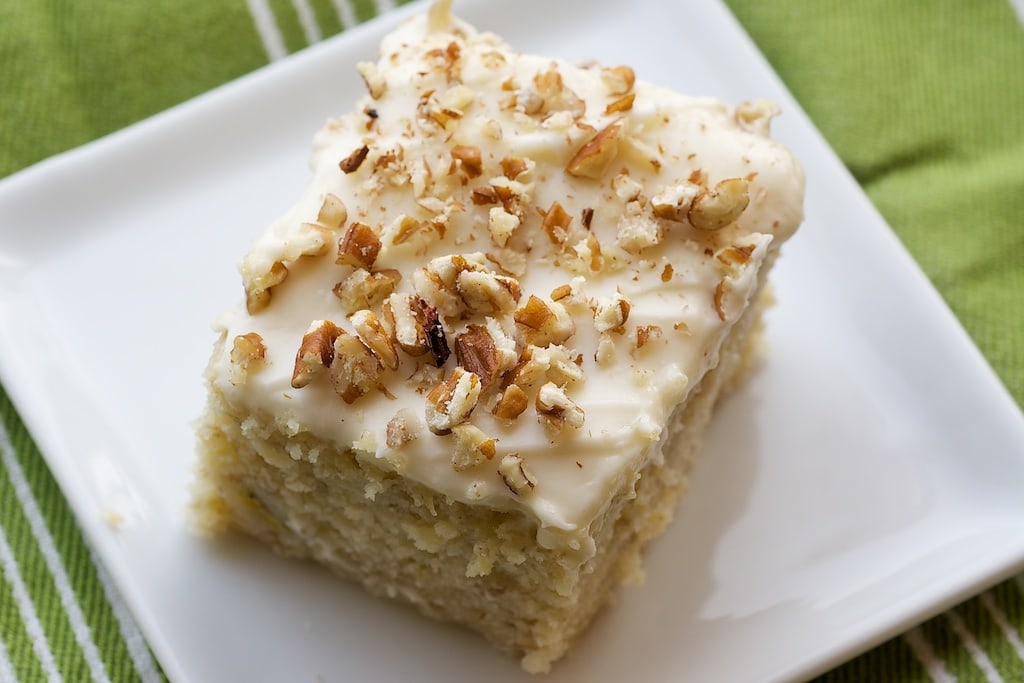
(637, 217)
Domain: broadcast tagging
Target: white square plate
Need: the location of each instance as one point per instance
(869, 475)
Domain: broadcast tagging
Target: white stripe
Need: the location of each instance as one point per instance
(973, 649)
(999, 617)
(308, 20)
(346, 14)
(384, 6)
(922, 649)
(266, 26)
(138, 649)
(6, 668)
(27, 611)
(53, 562)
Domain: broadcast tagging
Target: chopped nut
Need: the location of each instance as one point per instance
(618, 79)
(636, 230)
(586, 217)
(353, 161)
(404, 315)
(309, 239)
(672, 203)
(605, 354)
(433, 331)
(452, 401)
(722, 290)
(488, 293)
(557, 363)
(375, 83)
(469, 158)
(667, 272)
(734, 256)
(484, 194)
(475, 352)
(512, 402)
(517, 477)
(625, 188)
(501, 224)
(555, 409)
(257, 287)
(717, 208)
(363, 289)
(359, 247)
(623, 104)
(556, 224)
(355, 370)
(316, 352)
(509, 261)
(403, 428)
(541, 323)
(332, 213)
(513, 167)
(247, 353)
(611, 314)
(375, 336)
(561, 292)
(556, 97)
(645, 333)
(593, 159)
(472, 447)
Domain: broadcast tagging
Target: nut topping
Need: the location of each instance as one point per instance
(555, 409)
(611, 314)
(257, 287)
(517, 477)
(618, 79)
(403, 428)
(375, 336)
(556, 224)
(469, 158)
(512, 402)
(472, 447)
(355, 370)
(404, 315)
(452, 401)
(717, 208)
(363, 289)
(593, 159)
(359, 247)
(316, 352)
(672, 203)
(247, 352)
(541, 323)
(475, 352)
(332, 213)
(353, 161)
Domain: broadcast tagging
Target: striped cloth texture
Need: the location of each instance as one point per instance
(924, 102)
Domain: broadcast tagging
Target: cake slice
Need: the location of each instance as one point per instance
(476, 358)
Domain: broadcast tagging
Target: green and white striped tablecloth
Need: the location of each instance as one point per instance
(924, 102)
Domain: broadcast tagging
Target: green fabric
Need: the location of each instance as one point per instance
(923, 101)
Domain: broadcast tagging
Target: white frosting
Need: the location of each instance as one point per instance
(627, 400)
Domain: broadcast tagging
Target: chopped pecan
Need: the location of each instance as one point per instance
(716, 208)
(247, 353)
(376, 338)
(359, 247)
(556, 224)
(316, 352)
(469, 157)
(555, 409)
(472, 447)
(452, 401)
(355, 369)
(401, 429)
(363, 289)
(593, 159)
(517, 476)
(541, 323)
(353, 161)
(332, 212)
(512, 402)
